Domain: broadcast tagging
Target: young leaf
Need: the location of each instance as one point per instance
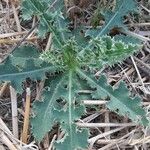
(114, 18)
(106, 51)
(113, 51)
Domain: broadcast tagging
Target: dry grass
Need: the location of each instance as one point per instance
(108, 130)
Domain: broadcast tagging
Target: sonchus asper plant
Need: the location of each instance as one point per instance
(70, 65)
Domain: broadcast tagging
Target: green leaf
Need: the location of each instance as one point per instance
(25, 53)
(48, 11)
(61, 30)
(61, 105)
(111, 51)
(114, 18)
(16, 68)
(80, 37)
(77, 140)
(127, 39)
(36, 7)
(45, 111)
(120, 102)
(105, 51)
(74, 113)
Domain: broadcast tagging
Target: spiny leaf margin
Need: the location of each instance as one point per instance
(114, 18)
(120, 102)
(17, 67)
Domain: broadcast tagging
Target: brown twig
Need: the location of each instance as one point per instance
(26, 116)
(13, 96)
(16, 16)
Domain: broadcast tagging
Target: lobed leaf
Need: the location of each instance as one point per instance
(61, 102)
(77, 140)
(45, 111)
(61, 105)
(48, 12)
(120, 102)
(114, 18)
(19, 67)
(106, 51)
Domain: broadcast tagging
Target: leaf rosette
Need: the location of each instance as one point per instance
(70, 64)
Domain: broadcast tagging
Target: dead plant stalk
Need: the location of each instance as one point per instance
(13, 96)
(26, 116)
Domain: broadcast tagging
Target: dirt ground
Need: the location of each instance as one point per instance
(117, 133)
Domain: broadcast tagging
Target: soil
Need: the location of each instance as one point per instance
(135, 72)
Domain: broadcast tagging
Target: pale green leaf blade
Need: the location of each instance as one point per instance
(106, 51)
(128, 39)
(25, 53)
(38, 7)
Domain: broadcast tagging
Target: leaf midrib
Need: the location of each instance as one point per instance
(26, 72)
(86, 77)
(70, 111)
(45, 20)
(111, 20)
(53, 95)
